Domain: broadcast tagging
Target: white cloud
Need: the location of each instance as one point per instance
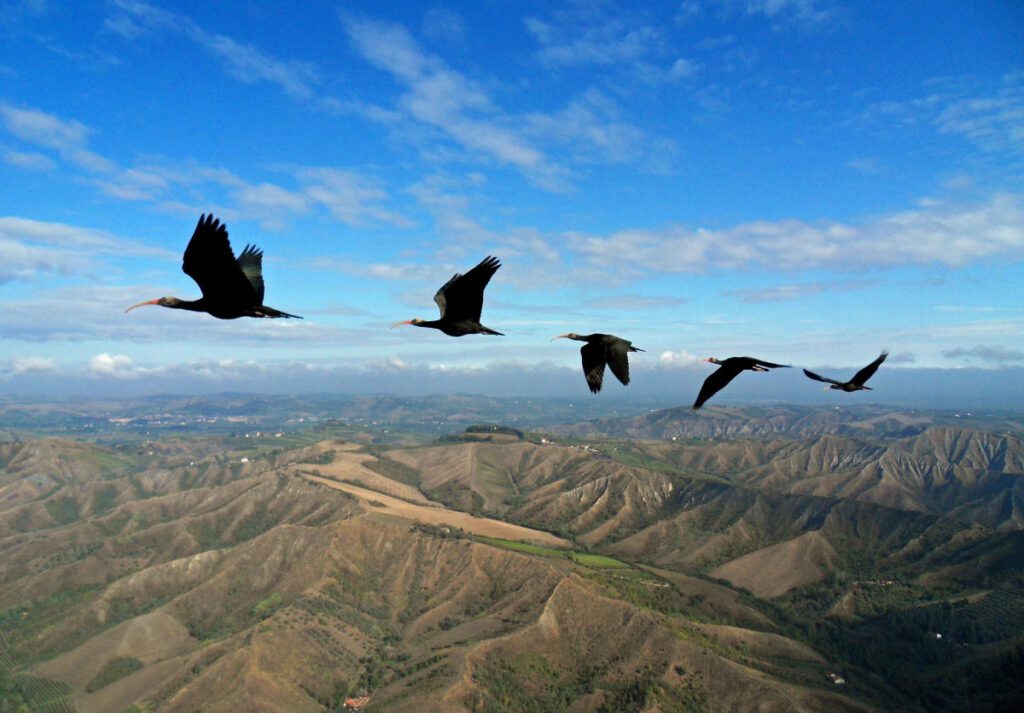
(868, 165)
(30, 248)
(444, 24)
(448, 101)
(351, 198)
(268, 202)
(250, 65)
(244, 62)
(790, 292)
(988, 353)
(996, 122)
(608, 41)
(117, 365)
(32, 365)
(952, 235)
(28, 159)
(681, 359)
(990, 117)
(802, 13)
(348, 196)
(393, 363)
(67, 137)
(593, 127)
(682, 68)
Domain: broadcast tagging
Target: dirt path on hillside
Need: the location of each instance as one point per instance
(381, 504)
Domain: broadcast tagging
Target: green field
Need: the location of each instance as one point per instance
(584, 558)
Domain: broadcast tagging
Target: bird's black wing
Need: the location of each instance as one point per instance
(768, 364)
(716, 382)
(439, 296)
(617, 354)
(822, 379)
(462, 297)
(593, 365)
(251, 262)
(210, 262)
(867, 372)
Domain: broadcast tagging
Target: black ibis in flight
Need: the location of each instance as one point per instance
(461, 300)
(601, 349)
(854, 384)
(726, 372)
(231, 287)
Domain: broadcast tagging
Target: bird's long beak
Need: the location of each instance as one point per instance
(560, 336)
(142, 304)
(398, 324)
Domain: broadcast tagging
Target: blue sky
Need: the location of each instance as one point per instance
(805, 181)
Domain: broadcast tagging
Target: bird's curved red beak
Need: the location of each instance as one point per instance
(141, 304)
(560, 336)
(398, 324)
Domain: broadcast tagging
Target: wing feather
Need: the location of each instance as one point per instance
(867, 372)
(617, 354)
(768, 364)
(462, 297)
(716, 382)
(251, 262)
(439, 296)
(822, 379)
(210, 261)
(593, 365)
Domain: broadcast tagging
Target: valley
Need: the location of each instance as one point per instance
(829, 565)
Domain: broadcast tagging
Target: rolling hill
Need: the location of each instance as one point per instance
(504, 571)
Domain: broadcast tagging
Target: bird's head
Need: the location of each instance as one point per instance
(415, 321)
(171, 302)
(570, 335)
(713, 360)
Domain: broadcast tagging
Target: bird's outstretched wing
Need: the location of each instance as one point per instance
(716, 382)
(210, 262)
(251, 262)
(593, 365)
(768, 364)
(617, 354)
(462, 297)
(867, 372)
(822, 379)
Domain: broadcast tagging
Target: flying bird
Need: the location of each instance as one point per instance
(231, 288)
(726, 372)
(601, 349)
(857, 382)
(461, 300)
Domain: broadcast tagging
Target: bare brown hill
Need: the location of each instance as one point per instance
(772, 571)
(972, 476)
(229, 585)
(788, 423)
(284, 580)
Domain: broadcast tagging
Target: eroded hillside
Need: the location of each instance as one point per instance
(289, 580)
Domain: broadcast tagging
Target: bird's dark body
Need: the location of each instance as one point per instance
(231, 288)
(459, 329)
(601, 350)
(461, 301)
(854, 384)
(728, 370)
